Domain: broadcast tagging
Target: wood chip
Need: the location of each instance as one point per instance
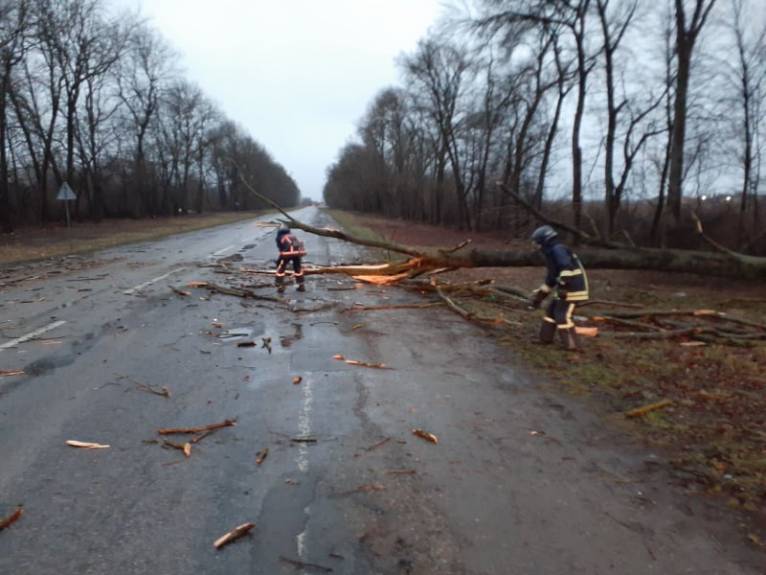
(6, 522)
(425, 435)
(692, 344)
(261, 455)
(586, 331)
(85, 444)
(233, 535)
(196, 284)
(11, 372)
(297, 379)
(339, 357)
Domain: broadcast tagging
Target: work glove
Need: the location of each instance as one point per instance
(537, 298)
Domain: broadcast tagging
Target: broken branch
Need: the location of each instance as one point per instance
(195, 430)
(6, 522)
(233, 535)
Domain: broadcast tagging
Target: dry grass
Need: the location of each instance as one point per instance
(36, 243)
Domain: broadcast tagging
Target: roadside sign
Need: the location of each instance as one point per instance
(66, 195)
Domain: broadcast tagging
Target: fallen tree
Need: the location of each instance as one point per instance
(594, 252)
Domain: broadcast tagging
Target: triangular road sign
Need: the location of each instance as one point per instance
(66, 193)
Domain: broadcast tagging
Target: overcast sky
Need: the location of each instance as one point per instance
(297, 74)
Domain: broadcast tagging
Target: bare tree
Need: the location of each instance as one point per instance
(440, 71)
(746, 78)
(686, 34)
(14, 23)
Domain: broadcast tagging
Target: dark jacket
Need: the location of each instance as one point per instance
(565, 272)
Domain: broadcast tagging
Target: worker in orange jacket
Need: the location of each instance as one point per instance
(290, 250)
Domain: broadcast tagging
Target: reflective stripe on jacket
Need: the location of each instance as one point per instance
(565, 272)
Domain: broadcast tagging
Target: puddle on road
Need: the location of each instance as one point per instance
(287, 341)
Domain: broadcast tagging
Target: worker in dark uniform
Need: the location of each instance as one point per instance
(290, 250)
(567, 276)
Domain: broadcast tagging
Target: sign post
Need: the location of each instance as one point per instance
(66, 195)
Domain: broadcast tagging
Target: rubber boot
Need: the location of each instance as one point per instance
(569, 339)
(547, 332)
(280, 284)
(301, 286)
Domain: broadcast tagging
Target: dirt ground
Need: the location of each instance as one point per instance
(36, 242)
(714, 431)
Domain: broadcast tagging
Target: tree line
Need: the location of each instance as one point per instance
(621, 116)
(94, 99)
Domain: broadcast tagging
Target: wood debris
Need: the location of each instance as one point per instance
(367, 364)
(261, 456)
(297, 379)
(162, 391)
(425, 435)
(303, 439)
(401, 472)
(85, 444)
(195, 430)
(266, 343)
(359, 363)
(640, 411)
(586, 331)
(370, 487)
(11, 372)
(201, 436)
(182, 293)
(246, 344)
(233, 535)
(196, 284)
(185, 447)
(378, 444)
(6, 522)
(305, 566)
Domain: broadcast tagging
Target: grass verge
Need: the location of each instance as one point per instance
(29, 244)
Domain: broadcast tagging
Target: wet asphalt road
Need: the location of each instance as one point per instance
(522, 481)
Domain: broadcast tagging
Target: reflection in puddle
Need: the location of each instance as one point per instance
(287, 341)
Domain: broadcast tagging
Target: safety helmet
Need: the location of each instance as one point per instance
(543, 234)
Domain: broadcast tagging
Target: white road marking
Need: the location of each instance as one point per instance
(222, 251)
(31, 335)
(304, 426)
(302, 457)
(139, 287)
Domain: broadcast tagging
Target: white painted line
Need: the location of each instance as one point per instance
(222, 251)
(139, 287)
(302, 458)
(304, 425)
(32, 335)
